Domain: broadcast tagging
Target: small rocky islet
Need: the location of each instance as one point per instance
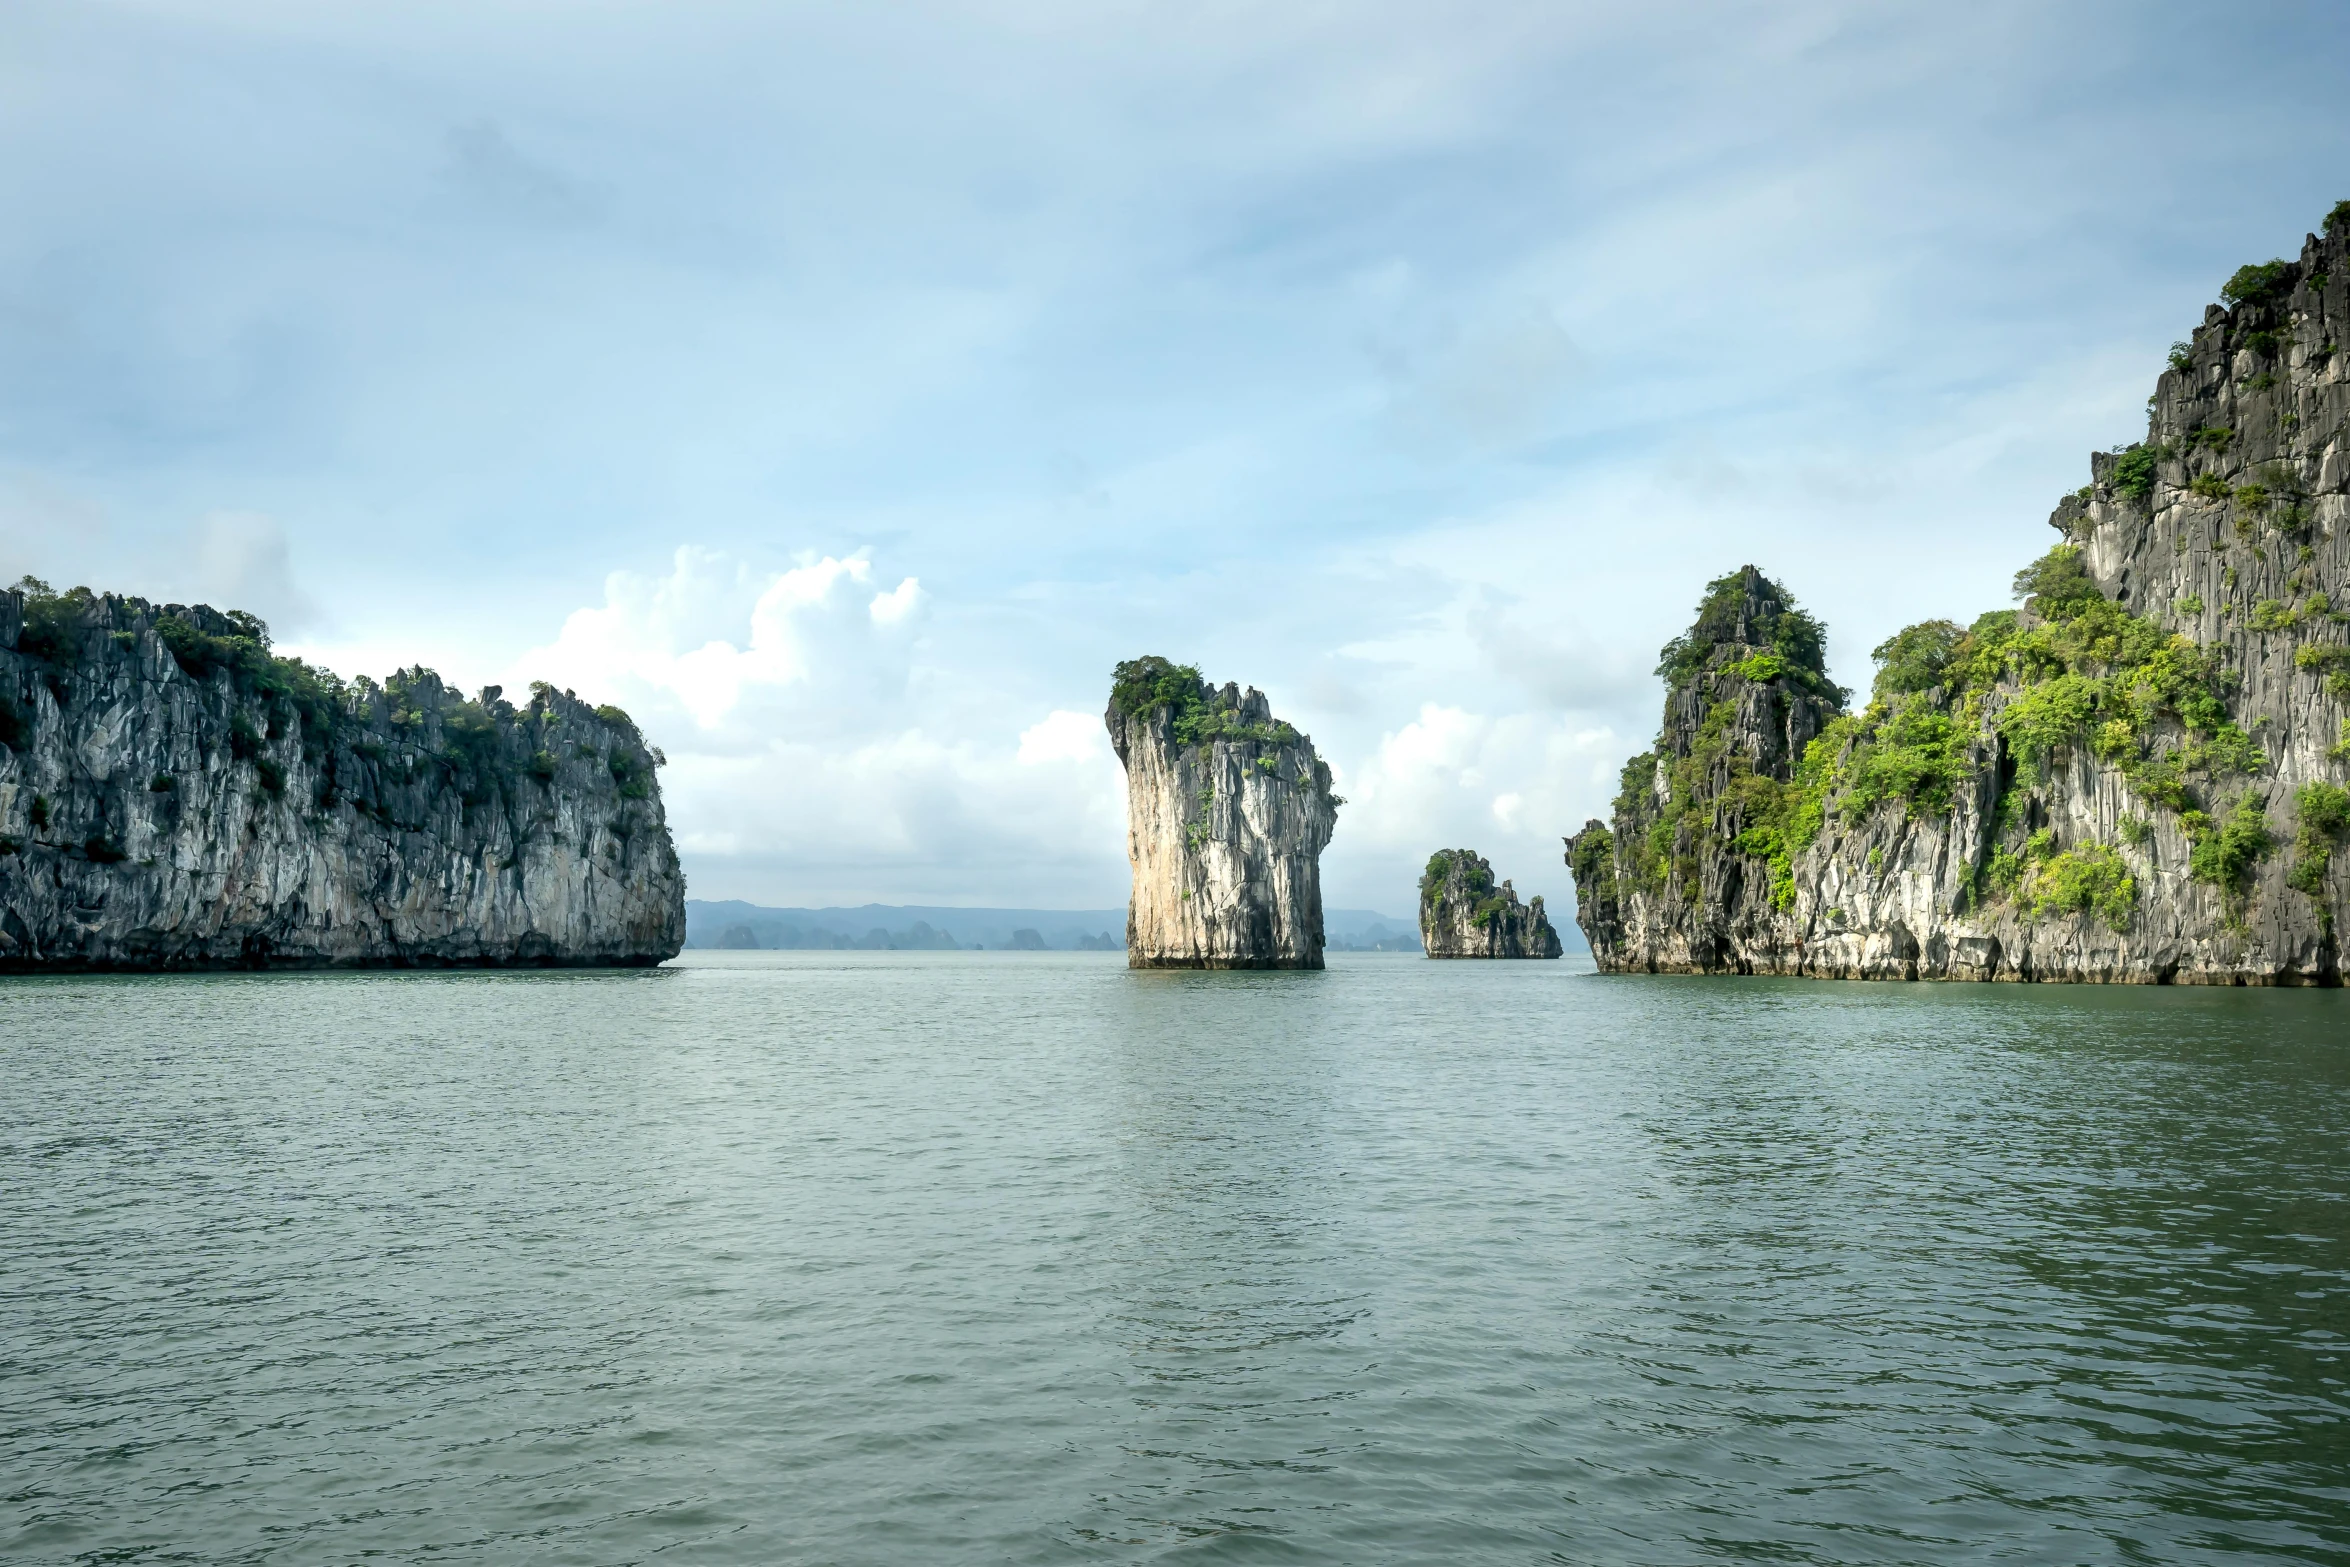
(176, 795)
(2134, 777)
(1464, 915)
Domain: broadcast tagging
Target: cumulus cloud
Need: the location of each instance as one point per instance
(818, 752)
(713, 634)
(1507, 785)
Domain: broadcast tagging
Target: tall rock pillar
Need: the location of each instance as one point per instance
(1227, 813)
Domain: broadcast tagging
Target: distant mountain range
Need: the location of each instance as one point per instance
(919, 927)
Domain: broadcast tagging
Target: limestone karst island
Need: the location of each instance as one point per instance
(1227, 813)
(174, 795)
(1464, 915)
(2133, 777)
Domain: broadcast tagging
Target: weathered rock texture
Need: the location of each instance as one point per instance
(173, 796)
(1464, 915)
(2135, 778)
(1227, 813)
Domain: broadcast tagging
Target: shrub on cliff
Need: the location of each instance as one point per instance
(2135, 469)
(2323, 810)
(2091, 879)
(2224, 851)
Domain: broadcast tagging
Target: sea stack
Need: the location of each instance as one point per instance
(1227, 813)
(173, 795)
(2139, 774)
(1464, 915)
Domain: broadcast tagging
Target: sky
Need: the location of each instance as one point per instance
(844, 390)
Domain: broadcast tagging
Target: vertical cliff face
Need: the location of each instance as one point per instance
(1464, 915)
(1227, 813)
(2136, 776)
(172, 795)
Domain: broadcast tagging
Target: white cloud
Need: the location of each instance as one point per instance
(1064, 736)
(1507, 785)
(817, 754)
(712, 632)
(895, 606)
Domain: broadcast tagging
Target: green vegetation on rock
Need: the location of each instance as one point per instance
(1201, 714)
(2258, 283)
(1791, 642)
(2323, 812)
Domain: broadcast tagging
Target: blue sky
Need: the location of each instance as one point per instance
(845, 389)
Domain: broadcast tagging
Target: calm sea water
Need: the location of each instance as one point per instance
(979, 1257)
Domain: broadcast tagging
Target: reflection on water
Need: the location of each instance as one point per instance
(1009, 1257)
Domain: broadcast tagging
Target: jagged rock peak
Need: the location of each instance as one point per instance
(173, 794)
(1227, 813)
(1750, 624)
(1464, 915)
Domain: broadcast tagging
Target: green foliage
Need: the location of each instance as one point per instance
(2321, 656)
(2274, 615)
(2264, 343)
(2191, 604)
(244, 741)
(1916, 752)
(272, 776)
(1914, 658)
(2225, 851)
(2209, 487)
(2056, 582)
(103, 850)
(2212, 437)
(2323, 815)
(2134, 470)
(2136, 831)
(634, 779)
(2088, 880)
(40, 810)
(52, 622)
(2182, 355)
(1592, 859)
(2338, 220)
(542, 766)
(2048, 717)
(2258, 283)
(162, 783)
(1140, 684)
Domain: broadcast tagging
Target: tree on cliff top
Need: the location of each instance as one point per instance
(1748, 610)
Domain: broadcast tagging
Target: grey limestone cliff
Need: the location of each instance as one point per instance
(1464, 915)
(173, 795)
(2135, 777)
(1227, 813)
